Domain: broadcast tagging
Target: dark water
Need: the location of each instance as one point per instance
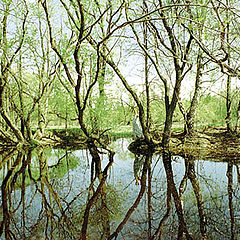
(48, 194)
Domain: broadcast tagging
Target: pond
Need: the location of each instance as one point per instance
(53, 194)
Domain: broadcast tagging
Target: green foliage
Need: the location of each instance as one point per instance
(211, 110)
(107, 110)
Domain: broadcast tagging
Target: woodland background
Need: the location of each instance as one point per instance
(88, 65)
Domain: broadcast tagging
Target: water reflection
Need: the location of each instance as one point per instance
(63, 194)
(137, 166)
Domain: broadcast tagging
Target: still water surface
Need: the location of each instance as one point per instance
(45, 194)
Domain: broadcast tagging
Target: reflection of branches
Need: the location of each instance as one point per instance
(137, 201)
(5, 197)
(190, 174)
(198, 195)
(47, 207)
(230, 197)
(59, 161)
(71, 202)
(48, 217)
(5, 156)
(221, 220)
(149, 195)
(165, 217)
(94, 197)
(182, 228)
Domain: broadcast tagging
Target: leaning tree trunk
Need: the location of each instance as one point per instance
(5, 116)
(190, 116)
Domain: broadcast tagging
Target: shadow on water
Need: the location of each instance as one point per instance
(64, 194)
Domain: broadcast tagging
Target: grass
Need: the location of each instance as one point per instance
(122, 131)
(116, 132)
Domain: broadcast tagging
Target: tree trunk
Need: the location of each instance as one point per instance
(145, 35)
(228, 105)
(170, 108)
(7, 119)
(134, 95)
(228, 98)
(190, 116)
(5, 65)
(179, 66)
(198, 194)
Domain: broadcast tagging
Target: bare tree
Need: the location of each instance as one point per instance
(167, 41)
(7, 60)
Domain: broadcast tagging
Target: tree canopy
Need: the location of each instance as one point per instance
(90, 64)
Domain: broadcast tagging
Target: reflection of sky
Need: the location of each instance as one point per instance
(215, 170)
(211, 175)
(122, 168)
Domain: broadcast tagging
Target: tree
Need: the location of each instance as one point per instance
(10, 47)
(189, 115)
(80, 29)
(27, 77)
(166, 40)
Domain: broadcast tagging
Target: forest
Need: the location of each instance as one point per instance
(88, 66)
(73, 74)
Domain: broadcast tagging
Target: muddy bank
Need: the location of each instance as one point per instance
(207, 143)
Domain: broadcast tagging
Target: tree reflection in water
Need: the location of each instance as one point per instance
(56, 194)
